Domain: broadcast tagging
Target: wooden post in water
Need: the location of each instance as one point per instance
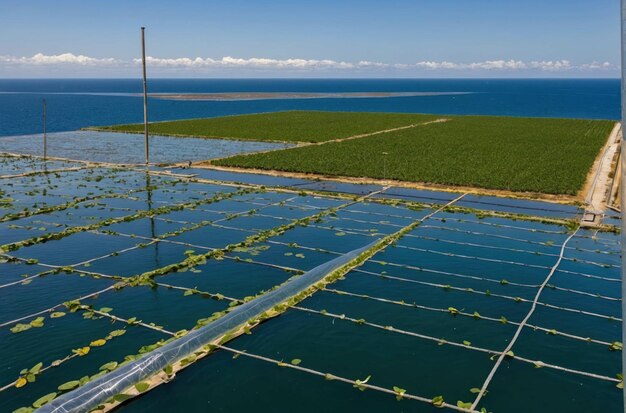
(622, 186)
(45, 138)
(145, 94)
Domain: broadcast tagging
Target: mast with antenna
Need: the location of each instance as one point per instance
(45, 143)
(145, 94)
(623, 177)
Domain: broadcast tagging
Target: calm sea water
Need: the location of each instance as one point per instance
(76, 103)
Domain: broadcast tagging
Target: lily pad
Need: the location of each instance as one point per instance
(81, 351)
(399, 392)
(36, 368)
(69, 385)
(110, 366)
(44, 400)
(438, 401)
(98, 343)
(19, 327)
(142, 386)
(117, 333)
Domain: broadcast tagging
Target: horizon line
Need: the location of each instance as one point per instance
(313, 78)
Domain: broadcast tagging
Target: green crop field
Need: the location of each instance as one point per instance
(296, 126)
(519, 154)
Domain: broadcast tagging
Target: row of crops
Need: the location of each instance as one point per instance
(550, 156)
(292, 126)
(537, 155)
(460, 309)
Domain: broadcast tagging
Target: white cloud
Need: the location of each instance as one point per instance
(379, 65)
(265, 63)
(199, 64)
(486, 65)
(437, 65)
(506, 65)
(599, 66)
(64, 58)
(254, 62)
(499, 65)
(552, 66)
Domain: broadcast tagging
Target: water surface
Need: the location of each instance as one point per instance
(77, 103)
(129, 148)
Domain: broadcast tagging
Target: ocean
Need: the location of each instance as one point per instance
(77, 103)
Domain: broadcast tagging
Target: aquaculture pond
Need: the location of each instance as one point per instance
(129, 147)
(458, 302)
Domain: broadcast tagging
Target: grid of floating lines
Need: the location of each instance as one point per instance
(461, 305)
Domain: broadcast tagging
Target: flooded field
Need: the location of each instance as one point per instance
(128, 148)
(462, 302)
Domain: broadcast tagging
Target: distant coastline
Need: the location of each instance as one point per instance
(234, 96)
(293, 95)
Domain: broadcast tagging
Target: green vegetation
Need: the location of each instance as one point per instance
(296, 126)
(517, 154)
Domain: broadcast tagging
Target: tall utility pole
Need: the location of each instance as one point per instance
(45, 138)
(621, 189)
(145, 94)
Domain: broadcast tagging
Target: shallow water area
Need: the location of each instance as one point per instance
(121, 259)
(126, 148)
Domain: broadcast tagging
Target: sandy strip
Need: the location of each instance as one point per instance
(599, 179)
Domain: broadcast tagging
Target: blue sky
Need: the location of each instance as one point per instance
(398, 38)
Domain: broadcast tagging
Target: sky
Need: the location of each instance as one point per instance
(318, 38)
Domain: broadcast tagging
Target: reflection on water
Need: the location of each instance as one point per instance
(129, 148)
